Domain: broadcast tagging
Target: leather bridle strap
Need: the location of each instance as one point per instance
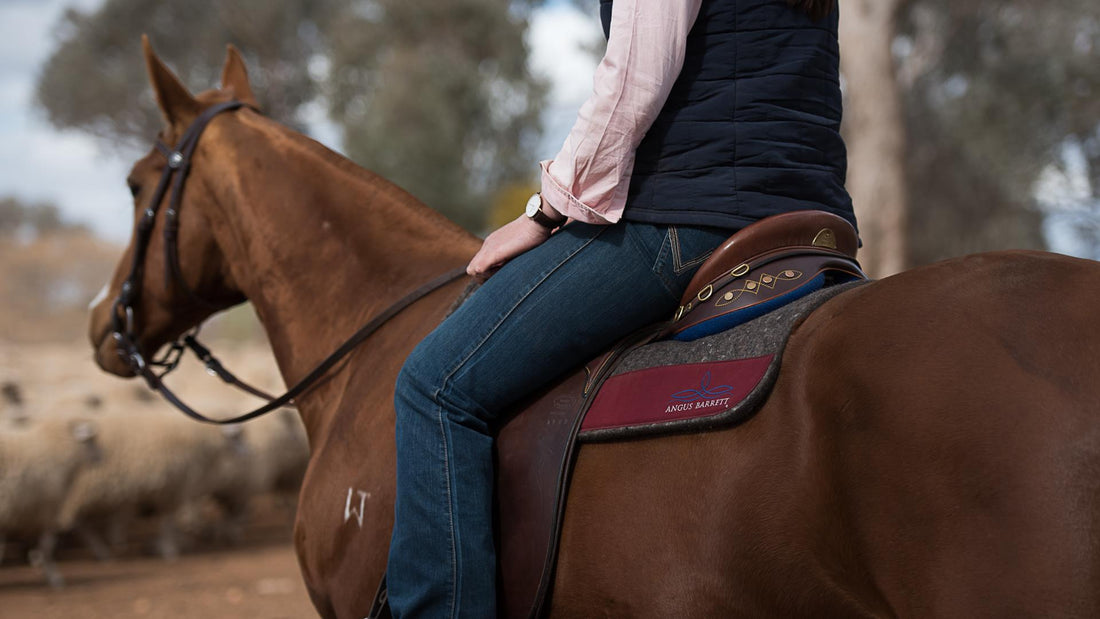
(179, 164)
(363, 333)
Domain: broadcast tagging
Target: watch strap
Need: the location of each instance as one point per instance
(544, 220)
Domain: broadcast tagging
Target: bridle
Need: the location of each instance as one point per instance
(123, 307)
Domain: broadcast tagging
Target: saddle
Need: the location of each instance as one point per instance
(746, 297)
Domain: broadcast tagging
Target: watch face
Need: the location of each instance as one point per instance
(533, 205)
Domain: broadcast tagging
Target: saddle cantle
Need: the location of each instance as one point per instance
(644, 388)
(768, 264)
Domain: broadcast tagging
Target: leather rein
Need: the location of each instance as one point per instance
(123, 310)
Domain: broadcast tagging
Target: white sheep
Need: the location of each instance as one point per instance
(154, 463)
(39, 461)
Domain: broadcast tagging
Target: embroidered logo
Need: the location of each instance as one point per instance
(706, 396)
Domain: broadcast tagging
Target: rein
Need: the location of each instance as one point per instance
(122, 314)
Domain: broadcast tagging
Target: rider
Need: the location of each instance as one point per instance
(707, 115)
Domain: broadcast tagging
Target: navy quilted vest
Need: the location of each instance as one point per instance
(752, 125)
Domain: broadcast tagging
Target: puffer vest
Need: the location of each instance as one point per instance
(752, 125)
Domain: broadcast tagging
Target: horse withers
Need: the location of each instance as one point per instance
(929, 448)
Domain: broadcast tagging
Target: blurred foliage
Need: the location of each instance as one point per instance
(95, 79)
(49, 270)
(438, 96)
(509, 202)
(992, 91)
(30, 220)
(435, 96)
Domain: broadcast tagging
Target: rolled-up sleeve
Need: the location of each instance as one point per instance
(589, 178)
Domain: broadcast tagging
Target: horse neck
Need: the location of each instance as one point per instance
(317, 244)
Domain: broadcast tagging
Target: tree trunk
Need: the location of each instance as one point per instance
(875, 133)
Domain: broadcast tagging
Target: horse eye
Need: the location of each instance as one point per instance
(135, 189)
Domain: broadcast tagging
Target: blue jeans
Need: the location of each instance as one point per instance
(543, 314)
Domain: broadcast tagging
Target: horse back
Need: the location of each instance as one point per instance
(930, 448)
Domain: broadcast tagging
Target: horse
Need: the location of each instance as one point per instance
(931, 446)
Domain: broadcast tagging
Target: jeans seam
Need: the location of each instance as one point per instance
(658, 264)
(679, 267)
(656, 268)
(450, 500)
(697, 261)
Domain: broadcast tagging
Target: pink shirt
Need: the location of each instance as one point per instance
(589, 177)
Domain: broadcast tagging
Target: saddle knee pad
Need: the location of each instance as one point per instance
(721, 322)
(754, 289)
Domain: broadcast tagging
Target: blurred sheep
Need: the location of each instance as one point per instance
(39, 461)
(274, 461)
(12, 401)
(153, 464)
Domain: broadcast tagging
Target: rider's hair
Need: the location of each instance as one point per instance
(816, 8)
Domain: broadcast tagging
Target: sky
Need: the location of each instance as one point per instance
(69, 169)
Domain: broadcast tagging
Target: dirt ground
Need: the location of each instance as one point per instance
(259, 581)
(258, 578)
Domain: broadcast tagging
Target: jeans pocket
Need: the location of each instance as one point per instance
(692, 249)
(684, 250)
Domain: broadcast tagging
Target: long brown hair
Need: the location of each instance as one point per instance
(816, 8)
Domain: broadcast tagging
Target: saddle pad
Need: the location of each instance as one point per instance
(716, 381)
(654, 396)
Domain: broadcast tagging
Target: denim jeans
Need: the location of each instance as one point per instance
(543, 314)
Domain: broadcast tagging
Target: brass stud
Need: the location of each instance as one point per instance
(740, 270)
(767, 279)
(728, 296)
(788, 273)
(825, 238)
(751, 285)
(705, 293)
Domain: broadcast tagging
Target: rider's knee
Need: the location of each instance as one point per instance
(416, 382)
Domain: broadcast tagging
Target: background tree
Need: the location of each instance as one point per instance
(875, 134)
(995, 97)
(31, 220)
(1001, 87)
(435, 96)
(438, 96)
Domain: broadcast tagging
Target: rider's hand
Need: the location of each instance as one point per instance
(506, 243)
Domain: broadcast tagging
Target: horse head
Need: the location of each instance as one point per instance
(148, 295)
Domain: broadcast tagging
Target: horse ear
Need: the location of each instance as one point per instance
(175, 102)
(235, 77)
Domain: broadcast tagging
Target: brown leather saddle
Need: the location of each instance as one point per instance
(766, 265)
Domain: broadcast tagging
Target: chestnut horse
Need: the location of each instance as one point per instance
(931, 447)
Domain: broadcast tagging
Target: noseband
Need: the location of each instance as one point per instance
(124, 306)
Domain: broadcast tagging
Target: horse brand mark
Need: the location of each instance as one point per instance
(705, 396)
(350, 511)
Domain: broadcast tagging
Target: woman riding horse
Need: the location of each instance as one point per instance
(706, 116)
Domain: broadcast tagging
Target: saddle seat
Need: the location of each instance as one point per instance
(767, 264)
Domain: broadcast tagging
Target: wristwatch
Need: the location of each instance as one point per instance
(534, 212)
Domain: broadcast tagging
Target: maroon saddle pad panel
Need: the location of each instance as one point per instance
(651, 398)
